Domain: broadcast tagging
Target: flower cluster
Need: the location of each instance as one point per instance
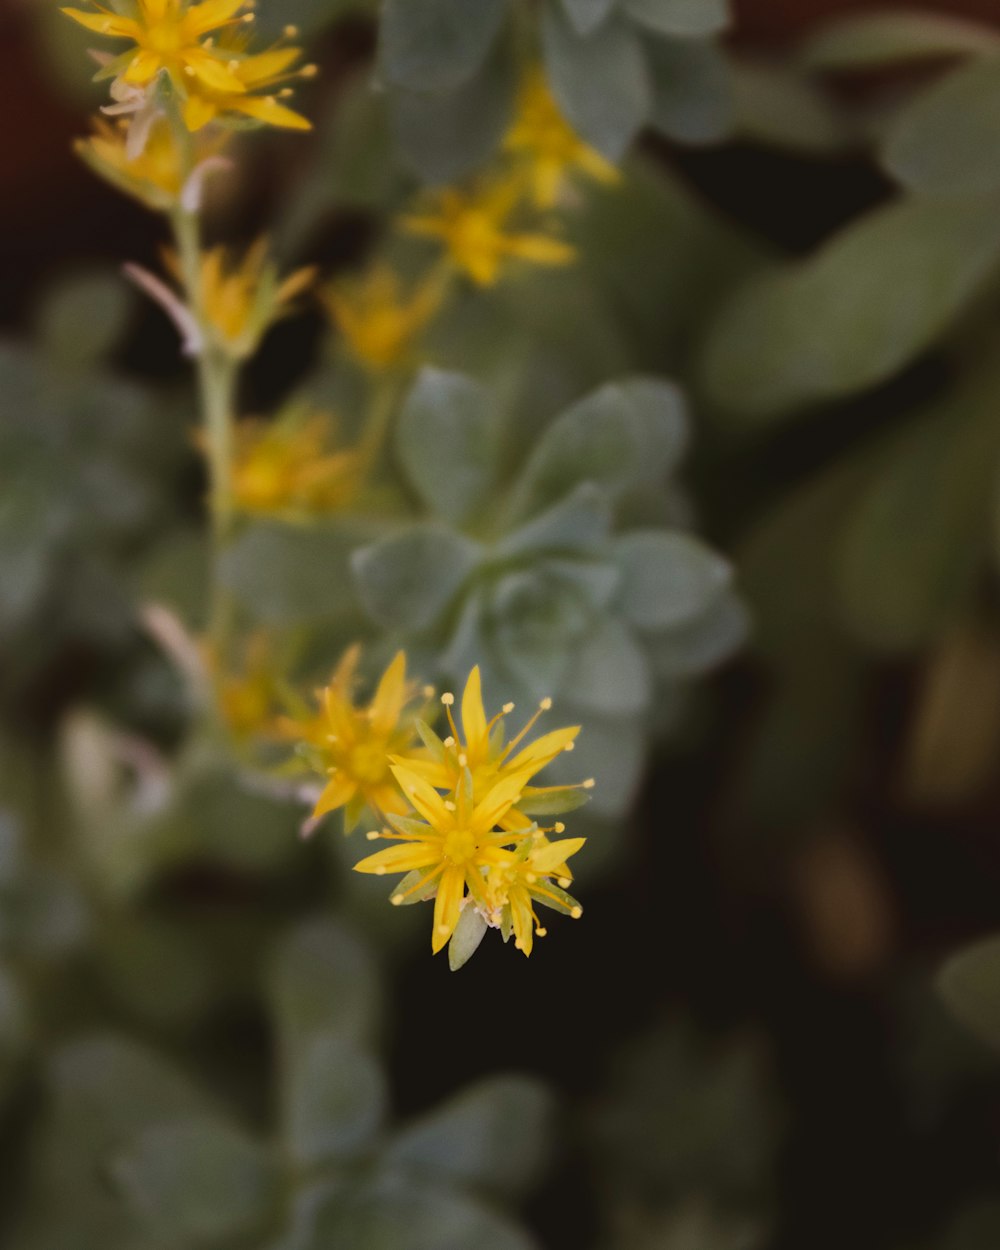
(460, 810)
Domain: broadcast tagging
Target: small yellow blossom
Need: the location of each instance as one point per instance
(167, 36)
(156, 175)
(285, 466)
(353, 745)
(488, 757)
(513, 887)
(257, 72)
(240, 298)
(453, 846)
(377, 319)
(249, 699)
(475, 228)
(549, 148)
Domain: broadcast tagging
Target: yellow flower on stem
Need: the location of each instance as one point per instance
(257, 72)
(452, 847)
(168, 36)
(514, 887)
(156, 175)
(378, 320)
(475, 228)
(353, 744)
(550, 149)
(286, 466)
(248, 699)
(481, 749)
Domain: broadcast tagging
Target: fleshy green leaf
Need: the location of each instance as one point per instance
(609, 672)
(437, 44)
(698, 646)
(600, 80)
(692, 90)
(847, 317)
(781, 106)
(469, 933)
(493, 1136)
(877, 39)
(947, 140)
(195, 1180)
(970, 984)
(691, 19)
(578, 523)
(442, 136)
(446, 440)
(668, 578)
(334, 1100)
(406, 581)
(622, 435)
(322, 978)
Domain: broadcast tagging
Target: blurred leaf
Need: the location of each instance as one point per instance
(446, 438)
(776, 105)
(609, 672)
(323, 979)
(310, 16)
(692, 90)
(469, 933)
(585, 15)
(684, 18)
(578, 522)
(970, 984)
(610, 749)
(393, 1216)
(82, 319)
(906, 570)
(668, 578)
(407, 580)
(334, 1100)
(437, 44)
(288, 573)
(196, 1180)
(443, 135)
(847, 317)
(876, 39)
(15, 1030)
(600, 80)
(947, 140)
(694, 648)
(621, 435)
(494, 1136)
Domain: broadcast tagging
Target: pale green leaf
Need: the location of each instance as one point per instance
(876, 39)
(669, 578)
(407, 581)
(436, 45)
(334, 1099)
(690, 19)
(465, 941)
(692, 90)
(585, 15)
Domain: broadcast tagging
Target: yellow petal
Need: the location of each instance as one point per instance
(474, 714)
(198, 112)
(338, 792)
(262, 66)
(424, 798)
(105, 23)
(399, 859)
(211, 14)
(447, 906)
(524, 927)
(543, 750)
(539, 249)
(390, 695)
(143, 68)
(498, 800)
(212, 72)
(546, 859)
(267, 109)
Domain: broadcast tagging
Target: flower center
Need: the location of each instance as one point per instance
(164, 38)
(460, 846)
(367, 763)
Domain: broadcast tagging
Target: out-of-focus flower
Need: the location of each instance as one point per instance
(548, 148)
(155, 174)
(286, 466)
(475, 228)
(249, 699)
(353, 744)
(483, 750)
(378, 319)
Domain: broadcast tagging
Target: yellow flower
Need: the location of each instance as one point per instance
(549, 147)
(167, 35)
(285, 466)
(240, 298)
(156, 175)
(353, 744)
(379, 322)
(474, 227)
(256, 72)
(513, 887)
(455, 844)
(249, 699)
(489, 758)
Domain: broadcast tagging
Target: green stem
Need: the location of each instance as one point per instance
(216, 376)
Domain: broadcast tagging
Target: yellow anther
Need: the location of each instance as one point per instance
(546, 704)
(447, 698)
(373, 835)
(463, 759)
(576, 913)
(588, 784)
(559, 827)
(541, 933)
(291, 32)
(570, 746)
(565, 882)
(449, 741)
(508, 708)
(428, 692)
(396, 900)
